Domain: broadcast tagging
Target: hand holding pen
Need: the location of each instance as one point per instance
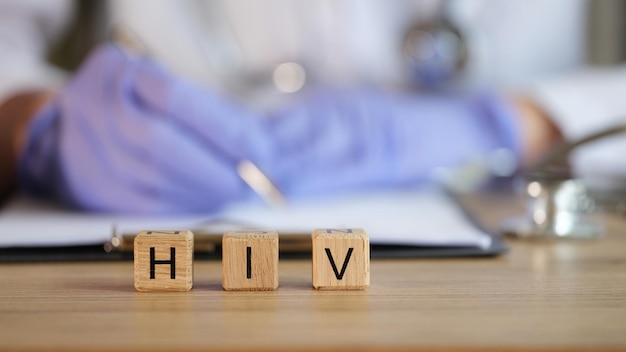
(127, 135)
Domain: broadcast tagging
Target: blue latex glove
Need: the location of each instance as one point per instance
(127, 136)
(334, 141)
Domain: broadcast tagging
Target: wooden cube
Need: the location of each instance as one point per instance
(164, 260)
(341, 259)
(250, 260)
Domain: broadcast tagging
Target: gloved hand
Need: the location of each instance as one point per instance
(127, 136)
(333, 141)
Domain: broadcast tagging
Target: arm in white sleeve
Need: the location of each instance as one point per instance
(27, 28)
(584, 103)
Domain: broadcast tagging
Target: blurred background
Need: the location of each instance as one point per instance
(430, 58)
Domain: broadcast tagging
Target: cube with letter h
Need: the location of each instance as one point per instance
(341, 259)
(250, 260)
(164, 260)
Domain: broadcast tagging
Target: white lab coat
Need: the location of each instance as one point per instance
(534, 45)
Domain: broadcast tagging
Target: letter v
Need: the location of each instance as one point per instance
(339, 275)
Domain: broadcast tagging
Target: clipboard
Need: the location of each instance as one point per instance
(413, 223)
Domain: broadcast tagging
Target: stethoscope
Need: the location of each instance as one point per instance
(437, 51)
(559, 205)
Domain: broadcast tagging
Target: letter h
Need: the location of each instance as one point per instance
(171, 262)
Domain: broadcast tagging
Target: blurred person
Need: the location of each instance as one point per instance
(322, 97)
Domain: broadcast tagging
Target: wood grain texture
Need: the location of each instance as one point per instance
(250, 260)
(156, 253)
(541, 296)
(341, 259)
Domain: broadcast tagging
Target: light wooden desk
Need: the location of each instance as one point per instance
(541, 296)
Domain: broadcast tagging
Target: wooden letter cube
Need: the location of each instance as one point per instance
(341, 259)
(250, 260)
(164, 260)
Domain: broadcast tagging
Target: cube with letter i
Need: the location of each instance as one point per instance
(164, 260)
(341, 259)
(250, 260)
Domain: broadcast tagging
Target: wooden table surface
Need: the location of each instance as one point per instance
(567, 295)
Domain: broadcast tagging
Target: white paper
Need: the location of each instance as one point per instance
(406, 217)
